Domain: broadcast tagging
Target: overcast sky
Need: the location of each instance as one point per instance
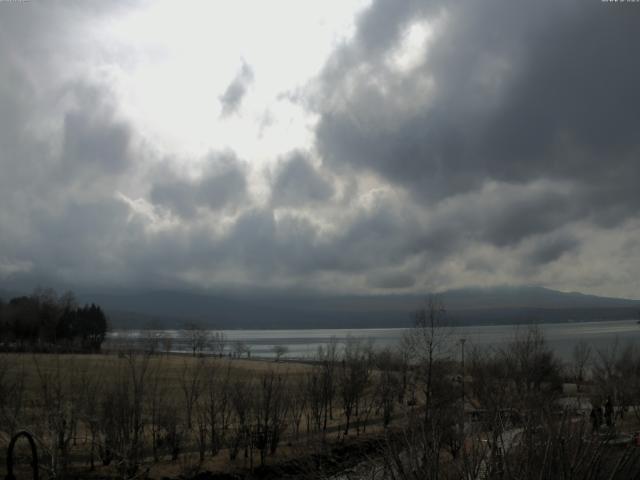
(351, 146)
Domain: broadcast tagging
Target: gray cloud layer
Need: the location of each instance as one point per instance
(223, 184)
(518, 93)
(508, 152)
(297, 182)
(232, 97)
(537, 99)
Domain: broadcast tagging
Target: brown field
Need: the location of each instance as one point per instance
(108, 366)
(142, 415)
(83, 390)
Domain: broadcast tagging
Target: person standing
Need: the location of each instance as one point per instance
(608, 412)
(594, 419)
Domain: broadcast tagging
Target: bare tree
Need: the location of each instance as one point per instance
(279, 351)
(122, 418)
(217, 405)
(353, 378)
(242, 404)
(616, 373)
(387, 386)
(239, 348)
(201, 429)
(532, 368)
(520, 433)
(561, 449)
(428, 345)
(403, 356)
(328, 359)
(298, 402)
(167, 343)
(61, 412)
(171, 427)
(218, 343)
(191, 380)
(12, 390)
(150, 342)
(156, 404)
(315, 390)
(198, 337)
(270, 413)
(90, 391)
(581, 356)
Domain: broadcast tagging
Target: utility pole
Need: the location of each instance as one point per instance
(462, 340)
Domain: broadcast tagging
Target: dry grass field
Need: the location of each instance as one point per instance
(135, 414)
(171, 368)
(148, 415)
(170, 415)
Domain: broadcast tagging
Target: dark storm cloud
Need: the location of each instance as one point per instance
(223, 184)
(291, 246)
(548, 250)
(297, 182)
(492, 158)
(256, 244)
(391, 280)
(91, 141)
(520, 213)
(64, 152)
(501, 215)
(83, 234)
(507, 93)
(59, 212)
(271, 247)
(232, 97)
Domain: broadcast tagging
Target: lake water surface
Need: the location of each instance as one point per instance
(561, 337)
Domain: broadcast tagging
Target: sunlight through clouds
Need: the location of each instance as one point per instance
(354, 146)
(181, 57)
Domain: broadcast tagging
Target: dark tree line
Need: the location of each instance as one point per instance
(45, 321)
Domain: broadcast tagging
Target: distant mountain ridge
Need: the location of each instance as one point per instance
(475, 305)
(469, 306)
(529, 297)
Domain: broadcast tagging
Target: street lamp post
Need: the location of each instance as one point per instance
(462, 340)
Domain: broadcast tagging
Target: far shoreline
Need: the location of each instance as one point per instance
(409, 326)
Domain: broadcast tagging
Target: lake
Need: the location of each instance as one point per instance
(561, 337)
